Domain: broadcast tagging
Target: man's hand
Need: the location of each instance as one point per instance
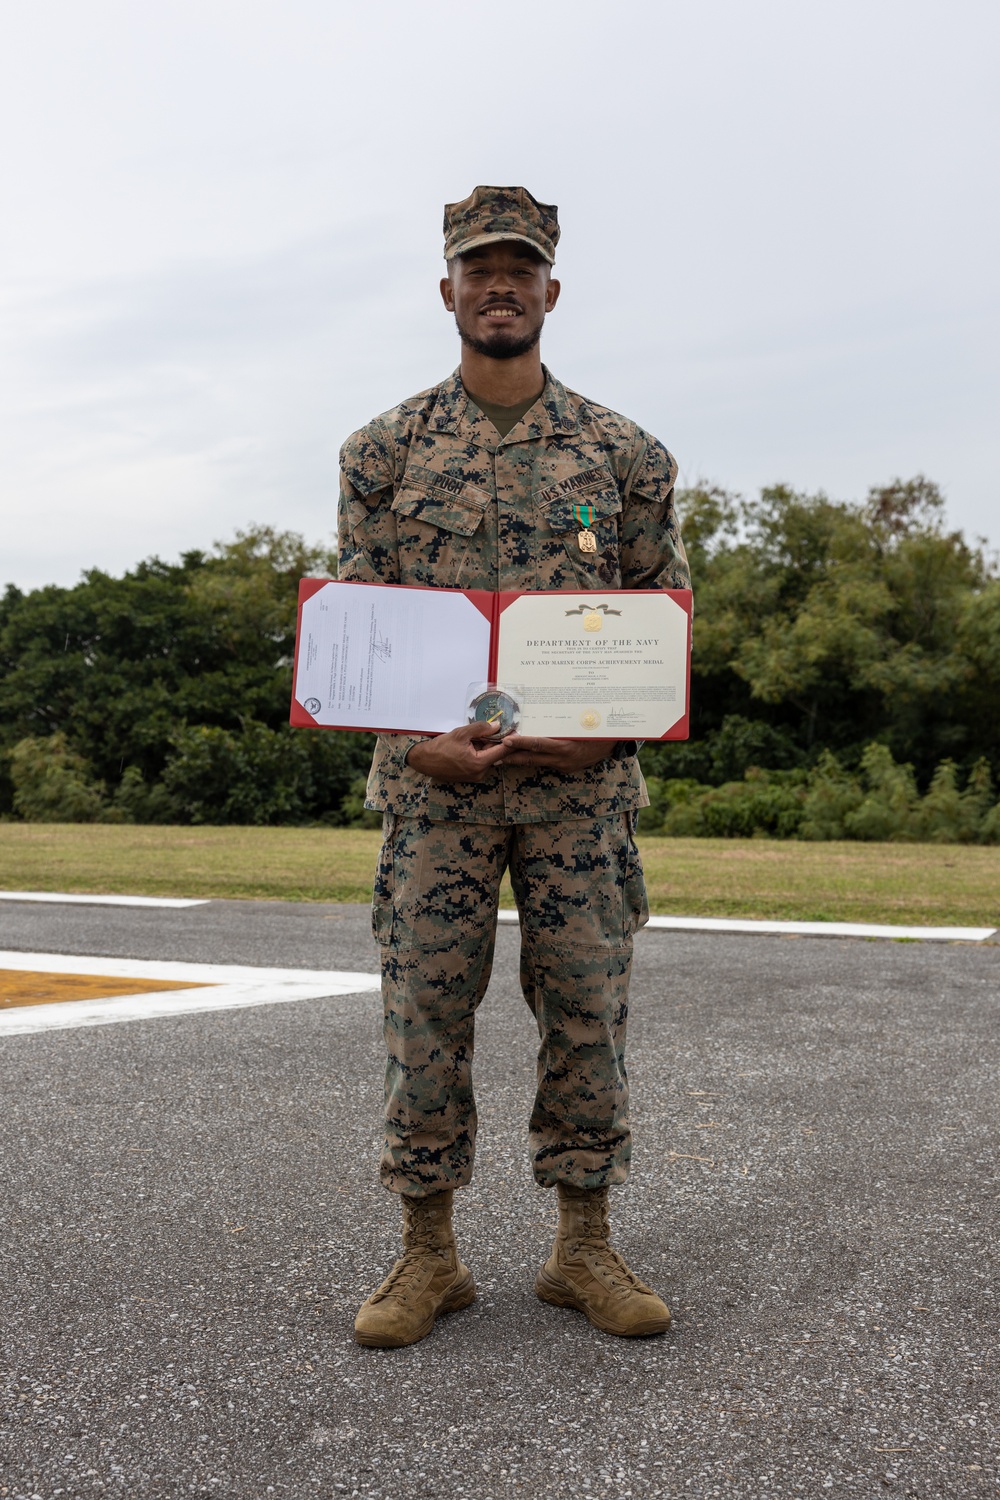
(556, 755)
(464, 754)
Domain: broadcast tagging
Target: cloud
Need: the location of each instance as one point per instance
(222, 239)
(155, 412)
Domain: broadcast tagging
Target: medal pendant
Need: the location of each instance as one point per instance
(587, 541)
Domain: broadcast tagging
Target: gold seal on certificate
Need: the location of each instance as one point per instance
(489, 704)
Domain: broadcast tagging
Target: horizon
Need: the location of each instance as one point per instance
(248, 528)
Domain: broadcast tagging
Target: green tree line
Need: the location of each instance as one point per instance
(845, 682)
(163, 696)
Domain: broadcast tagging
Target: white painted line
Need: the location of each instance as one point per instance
(233, 986)
(154, 968)
(814, 929)
(827, 929)
(61, 899)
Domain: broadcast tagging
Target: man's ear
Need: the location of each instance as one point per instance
(552, 294)
(447, 293)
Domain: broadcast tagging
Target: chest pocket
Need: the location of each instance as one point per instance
(606, 504)
(440, 535)
(563, 563)
(419, 499)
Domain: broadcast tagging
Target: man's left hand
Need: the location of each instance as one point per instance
(555, 755)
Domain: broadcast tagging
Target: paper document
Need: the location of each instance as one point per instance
(375, 657)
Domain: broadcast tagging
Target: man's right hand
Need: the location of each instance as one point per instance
(464, 754)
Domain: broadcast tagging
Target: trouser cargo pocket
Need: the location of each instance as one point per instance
(636, 904)
(382, 895)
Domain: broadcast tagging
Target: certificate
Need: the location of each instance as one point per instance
(610, 665)
(605, 666)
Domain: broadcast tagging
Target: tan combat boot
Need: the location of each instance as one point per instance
(427, 1281)
(584, 1272)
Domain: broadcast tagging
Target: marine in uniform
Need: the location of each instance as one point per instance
(502, 478)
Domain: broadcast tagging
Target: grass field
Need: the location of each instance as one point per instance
(906, 883)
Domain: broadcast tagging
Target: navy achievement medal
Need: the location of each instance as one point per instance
(586, 540)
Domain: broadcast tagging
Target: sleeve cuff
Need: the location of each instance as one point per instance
(403, 744)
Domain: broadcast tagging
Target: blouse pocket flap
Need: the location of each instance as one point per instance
(596, 505)
(458, 513)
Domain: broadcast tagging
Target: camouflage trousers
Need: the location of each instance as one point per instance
(580, 895)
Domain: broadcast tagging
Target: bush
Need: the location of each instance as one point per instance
(948, 816)
(260, 775)
(353, 810)
(831, 797)
(724, 754)
(257, 776)
(989, 828)
(763, 803)
(52, 784)
(667, 795)
(138, 802)
(887, 811)
(879, 802)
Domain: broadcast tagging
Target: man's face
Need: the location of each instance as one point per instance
(500, 295)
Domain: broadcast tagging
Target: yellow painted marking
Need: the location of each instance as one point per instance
(21, 987)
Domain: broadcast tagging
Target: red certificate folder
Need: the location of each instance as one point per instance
(401, 659)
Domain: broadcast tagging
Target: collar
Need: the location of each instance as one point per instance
(553, 415)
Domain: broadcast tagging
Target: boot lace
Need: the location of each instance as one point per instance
(607, 1266)
(603, 1262)
(408, 1276)
(416, 1266)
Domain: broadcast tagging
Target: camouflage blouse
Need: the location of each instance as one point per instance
(431, 494)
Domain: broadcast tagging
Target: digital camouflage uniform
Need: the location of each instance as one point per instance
(431, 494)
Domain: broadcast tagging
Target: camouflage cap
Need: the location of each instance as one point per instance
(500, 213)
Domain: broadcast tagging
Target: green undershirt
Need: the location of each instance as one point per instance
(504, 418)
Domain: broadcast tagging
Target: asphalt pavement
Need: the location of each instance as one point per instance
(192, 1216)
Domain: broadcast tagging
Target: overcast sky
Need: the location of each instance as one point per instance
(220, 239)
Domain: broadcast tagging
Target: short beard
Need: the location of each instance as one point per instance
(501, 348)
